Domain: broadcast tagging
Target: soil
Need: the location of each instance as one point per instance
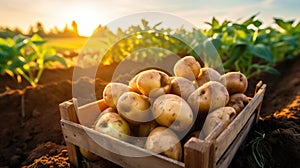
(279, 122)
(31, 135)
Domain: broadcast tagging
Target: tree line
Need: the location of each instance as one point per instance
(38, 28)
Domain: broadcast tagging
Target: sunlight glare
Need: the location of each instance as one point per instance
(86, 19)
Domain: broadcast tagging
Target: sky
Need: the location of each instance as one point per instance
(90, 13)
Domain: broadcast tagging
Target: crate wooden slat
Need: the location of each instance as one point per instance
(236, 131)
(229, 154)
(93, 110)
(217, 150)
(67, 112)
(85, 137)
(232, 130)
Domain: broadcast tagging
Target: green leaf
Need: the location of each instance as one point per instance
(291, 56)
(38, 40)
(297, 27)
(211, 57)
(225, 23)
(235, 54)
(3, 42)
(242, 34)
(4, 55)
(257, 23)
(5, 48)
(284, 25)
(261, 51)
(19, 38)
(215, 23)
(156, 25)
(208, 23)
(50, 52)
(266, 68)
(17, 62)
(8, 51)
(217, 43)
(55, 58)
(250, 20)
(145, 24)
(290, 40)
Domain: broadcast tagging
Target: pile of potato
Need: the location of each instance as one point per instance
(160, 107)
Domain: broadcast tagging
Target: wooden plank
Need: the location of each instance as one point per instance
(63, 108)
(229, 154)
(197, 153)
(85, 137)
(232, 130)
(67, 112)
(259, 86)
(87, 114)
(215, 132)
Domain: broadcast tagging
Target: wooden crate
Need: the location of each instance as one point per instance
(217, 150)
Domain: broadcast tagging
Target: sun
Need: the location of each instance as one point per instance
(86, 24)
(86, 18)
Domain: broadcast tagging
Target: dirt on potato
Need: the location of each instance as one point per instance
(35, 139)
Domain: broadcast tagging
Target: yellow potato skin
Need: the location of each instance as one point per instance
(182, 87)
(114, 125)
(208, 97)
(134, 108)
(164, 141)
(223, 114)
(187, 67)
(172, 111)
(235, 82)
(207, 74)
(133, 84)
(112, 93)
(153, 83)
(145, 129)
(238, 101)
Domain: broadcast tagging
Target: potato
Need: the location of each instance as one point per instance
(153, 83)
(163, 140)
(182, 87)
(238, 101)
(134, 108)
(114, 125)
(133, 84)
(207, 74)
(112, 93)
(187, 67)
(209, 96)
(214, 118)
(235, 82)
(145, 129)
(108, 110)
(172, 111)
(89, 155)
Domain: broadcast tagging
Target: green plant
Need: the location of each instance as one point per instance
(247, 47)
(26, 57)
(142, 42)
(257, 144)
(239, 48)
